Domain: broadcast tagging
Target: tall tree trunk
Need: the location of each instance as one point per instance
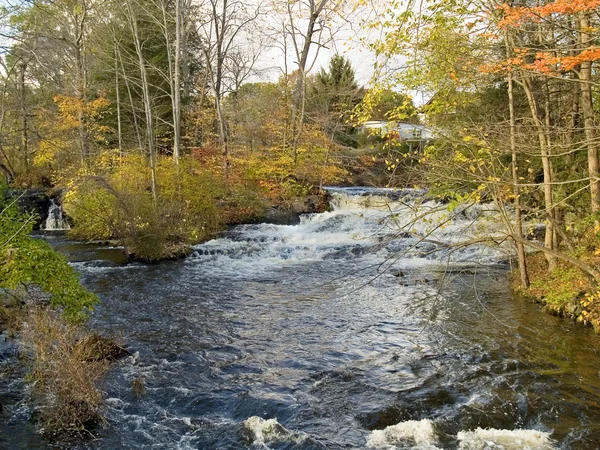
(146, 100)
(81, 79)
(545, 156)
(24, 124)
(518, 229)
(131, 102)
(572, 123)
(174, 74)
(118, 96)
(299, 96)
(177, 84)
(223, 138)
(548, 133)
(587, 108)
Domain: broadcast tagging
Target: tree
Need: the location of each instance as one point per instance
(309, 26)
(223, 25)
(458, 53)
(333, 95)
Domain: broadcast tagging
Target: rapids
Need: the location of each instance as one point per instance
(368, 326)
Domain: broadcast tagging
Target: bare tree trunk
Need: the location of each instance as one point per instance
(146, 100)
(223, 138)
(118, 95)
(177, 84)
(572, 123)
(548, 194)
(131, 102)
(587, 107)
(24, 124)
(174, 74)
(518, 231)
(299, 97)
(548, 134)
(81, 79)
(6, 166)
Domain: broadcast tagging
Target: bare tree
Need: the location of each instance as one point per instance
(307, 26)
(133, 23)
(225, 23)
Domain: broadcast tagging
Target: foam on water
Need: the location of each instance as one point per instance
(270, 431)
(362, 223)
(492, 439)
(419, 434)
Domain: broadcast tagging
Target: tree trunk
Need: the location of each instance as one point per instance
(147, 105)
(24, 124)
(518, 229)
(81, 83)
(223, 138)
(131, 102)
(177, 84)
(587, 107)
(174, 75)
(548, 194)
(299, 96)
(118, 96)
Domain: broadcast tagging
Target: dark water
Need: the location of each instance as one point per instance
(335, 328)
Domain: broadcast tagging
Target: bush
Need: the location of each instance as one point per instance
(65, 371)
(118, 203)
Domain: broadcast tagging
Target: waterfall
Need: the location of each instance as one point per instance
(56, 220)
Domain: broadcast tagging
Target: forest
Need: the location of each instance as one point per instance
(158, 124)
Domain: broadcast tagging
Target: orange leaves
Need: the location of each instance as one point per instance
(514, 16)
(544, 63)
(570, 62)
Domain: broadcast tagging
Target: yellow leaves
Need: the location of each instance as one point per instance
(74, 111)
(460, 157)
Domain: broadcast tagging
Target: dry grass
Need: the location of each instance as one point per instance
(66, 370)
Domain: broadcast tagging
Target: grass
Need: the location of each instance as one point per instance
(67, 364)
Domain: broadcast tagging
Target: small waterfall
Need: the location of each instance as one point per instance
(56, 220)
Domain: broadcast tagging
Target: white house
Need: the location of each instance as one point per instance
(407, 132)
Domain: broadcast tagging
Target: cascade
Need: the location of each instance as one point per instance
(56, 220)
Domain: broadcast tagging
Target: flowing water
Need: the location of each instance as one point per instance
(56, 220)
(346, 331)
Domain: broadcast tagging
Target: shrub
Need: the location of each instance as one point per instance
(65, 372)
(118, 203)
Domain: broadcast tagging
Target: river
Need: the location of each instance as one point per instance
(341, 332)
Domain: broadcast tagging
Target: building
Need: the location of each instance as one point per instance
(406, 132)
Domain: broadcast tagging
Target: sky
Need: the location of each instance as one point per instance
(271, 62)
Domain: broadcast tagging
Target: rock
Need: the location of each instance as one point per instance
(138, 386)
(32, 201)
(278, 217)
(288, 212)
(8, 349)
(35, 201)
(536, 232)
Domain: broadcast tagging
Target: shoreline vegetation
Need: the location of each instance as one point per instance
(566, 293)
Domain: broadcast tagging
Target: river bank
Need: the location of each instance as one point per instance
(566, 292)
